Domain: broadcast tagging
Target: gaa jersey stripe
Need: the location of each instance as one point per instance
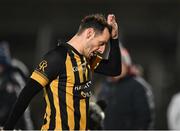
(54, 88)
(47, 113)
(83, 70)
(52, 107)
(69, 93)
(83, 117)
(62, 98)
(77, 114)
(88, 77)
(40, 78)
(88, 74)
(87, 114)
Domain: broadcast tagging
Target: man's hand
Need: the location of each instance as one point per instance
(112, 21)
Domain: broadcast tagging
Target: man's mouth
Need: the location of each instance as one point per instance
(93, 54)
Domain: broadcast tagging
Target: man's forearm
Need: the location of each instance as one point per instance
(112, 66)
(30, 90)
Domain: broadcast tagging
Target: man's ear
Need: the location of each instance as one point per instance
(90, 33)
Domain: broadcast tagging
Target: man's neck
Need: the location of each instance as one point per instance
(77, 43)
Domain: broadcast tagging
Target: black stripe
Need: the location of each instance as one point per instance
(76, 101)
(87, 113)
(84, 73)
(52, 107)
(62, 100)
(89, 77)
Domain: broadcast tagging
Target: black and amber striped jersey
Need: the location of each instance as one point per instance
(66, 76)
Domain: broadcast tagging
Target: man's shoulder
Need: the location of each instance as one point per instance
(55, 55)
(59, 50)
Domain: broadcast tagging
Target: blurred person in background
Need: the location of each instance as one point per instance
(129, 98)
(97, 114)
(13, 75)
(173, 113)
(65, 75)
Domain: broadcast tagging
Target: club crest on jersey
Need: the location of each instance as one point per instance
(42, 65)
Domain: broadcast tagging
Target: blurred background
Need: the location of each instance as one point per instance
(149, 29)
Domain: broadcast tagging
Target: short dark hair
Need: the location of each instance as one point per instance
(96, 21)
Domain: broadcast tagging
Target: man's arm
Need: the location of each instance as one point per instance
(112, 66)
(28, 92)
(46, 71)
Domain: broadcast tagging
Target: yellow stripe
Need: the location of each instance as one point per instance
(86, 74)
(83, 114)
(97, 61)
(54, 88)
(69, 92)
(40, 78)
(48, 112)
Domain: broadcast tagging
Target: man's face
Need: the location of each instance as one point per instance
(96, 43)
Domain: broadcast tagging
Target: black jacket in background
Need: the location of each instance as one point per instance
(128, 104)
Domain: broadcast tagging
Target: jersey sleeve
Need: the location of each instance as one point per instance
(49, 67)
(111, 66)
